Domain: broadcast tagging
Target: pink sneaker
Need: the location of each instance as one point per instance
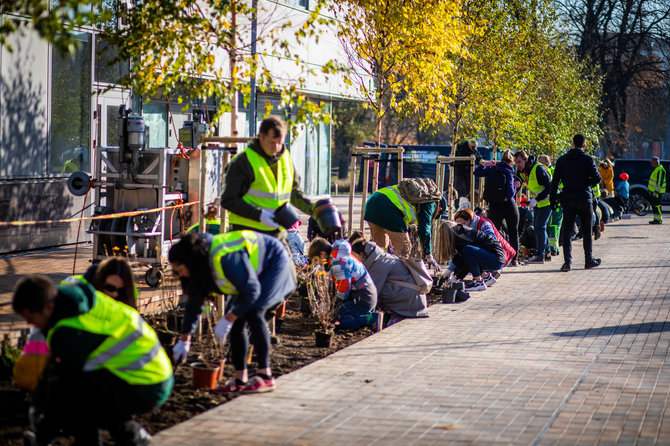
(259, 385)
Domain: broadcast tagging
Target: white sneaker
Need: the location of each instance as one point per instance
(490, 280)
(476, 285)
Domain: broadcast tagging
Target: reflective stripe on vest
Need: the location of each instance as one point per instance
(131, 350)
(535, 188)
(266, 191)
(393, 194)
(226, 243)
(657, 180)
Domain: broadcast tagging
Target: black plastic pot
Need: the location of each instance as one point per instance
(323, 338)
(448, 296)
(327, 217)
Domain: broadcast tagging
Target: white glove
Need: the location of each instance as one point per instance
(532, 203)
(267, 218)
(180, 351)
(222, 329)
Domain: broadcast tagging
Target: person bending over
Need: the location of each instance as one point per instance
(105, 365)
(256, 270)
(354, 285)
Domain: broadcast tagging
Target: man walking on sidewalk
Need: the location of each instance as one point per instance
(578, 173)
(656, 187)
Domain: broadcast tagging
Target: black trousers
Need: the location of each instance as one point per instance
(508, 212)
(79, 403)
(572, 209)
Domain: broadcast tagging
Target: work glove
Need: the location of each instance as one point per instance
(268, 219)
(656, 194)
(489, 163)
(222, 329)
(180, 351)
(517, 184)
(532, 203)
(430, 260)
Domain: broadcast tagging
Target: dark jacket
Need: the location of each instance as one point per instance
(543, 177)
(468, 236)
(578, 173)
(240, 175)
(462, 168)
(510, 189)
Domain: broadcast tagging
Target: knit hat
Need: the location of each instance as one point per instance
(624, 176)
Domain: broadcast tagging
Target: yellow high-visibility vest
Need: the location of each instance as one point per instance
(230, 242)
(266, 191)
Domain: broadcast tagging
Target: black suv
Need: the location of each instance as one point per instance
(638, 172)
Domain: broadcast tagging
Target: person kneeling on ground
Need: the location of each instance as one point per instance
(468, 218)
(469, 251)
(106, 364)
(396, 290)
(256, 270)
(353, 284)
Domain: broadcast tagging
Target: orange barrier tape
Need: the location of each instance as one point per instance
(99, 217)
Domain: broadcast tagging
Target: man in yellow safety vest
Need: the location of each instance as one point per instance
(260, 179)
(105, 364)
(657, 182)
(538, 178)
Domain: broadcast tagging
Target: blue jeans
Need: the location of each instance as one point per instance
(353, 317)
(475, 260)
(541, 219)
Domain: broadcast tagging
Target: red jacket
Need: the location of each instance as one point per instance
(507, 248)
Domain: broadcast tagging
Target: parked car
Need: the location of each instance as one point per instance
(638, 172)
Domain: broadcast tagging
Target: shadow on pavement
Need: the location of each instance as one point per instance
(646, 327)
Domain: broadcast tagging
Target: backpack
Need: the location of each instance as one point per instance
(423, 281)
(495, 188)
(419, 190)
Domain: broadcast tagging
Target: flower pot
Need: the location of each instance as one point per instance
(448, 296)
(221, 364)
(281, 310)
(323, 338)
(205, 375)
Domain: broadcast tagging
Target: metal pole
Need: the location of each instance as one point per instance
(203, 178)
(400, 164)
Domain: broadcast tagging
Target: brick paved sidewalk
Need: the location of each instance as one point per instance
(542, 357)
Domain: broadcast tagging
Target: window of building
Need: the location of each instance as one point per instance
(71, 108)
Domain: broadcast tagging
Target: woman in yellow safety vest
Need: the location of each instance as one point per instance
(106, 363)
(256, 270)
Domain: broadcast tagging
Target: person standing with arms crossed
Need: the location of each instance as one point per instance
(657, 182)
(578, 173)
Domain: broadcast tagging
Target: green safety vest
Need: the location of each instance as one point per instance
(213, 227)
(535, 188)
(131, 351)
(393, 194)
(266, 191)
(225, 244)
(657, 180)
